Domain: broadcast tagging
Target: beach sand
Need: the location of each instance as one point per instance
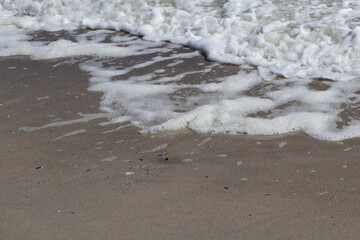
(87, 180)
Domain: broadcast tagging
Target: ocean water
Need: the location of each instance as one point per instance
(272, 66)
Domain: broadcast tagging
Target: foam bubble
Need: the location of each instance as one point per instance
(293, 39)
(287, 52)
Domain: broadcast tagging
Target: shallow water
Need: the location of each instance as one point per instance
(295, 63)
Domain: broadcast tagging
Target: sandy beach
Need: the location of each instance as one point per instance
(82, 179)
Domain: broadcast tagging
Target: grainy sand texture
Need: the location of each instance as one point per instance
(70, 176)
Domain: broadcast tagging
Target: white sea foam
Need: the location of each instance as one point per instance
(158, 148)
(84, 118)
(282, 144)
(70, 134)
(282, 48)
(188, 160)
(291, 38)
(116, 129)
(109, 159)
(205, 141)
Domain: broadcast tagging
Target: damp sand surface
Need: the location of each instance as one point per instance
(64, 189)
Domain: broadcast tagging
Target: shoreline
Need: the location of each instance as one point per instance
(89, 181)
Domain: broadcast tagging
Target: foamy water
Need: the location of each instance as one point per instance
(298, 61)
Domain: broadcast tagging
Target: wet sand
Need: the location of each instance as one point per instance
(87, 180)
